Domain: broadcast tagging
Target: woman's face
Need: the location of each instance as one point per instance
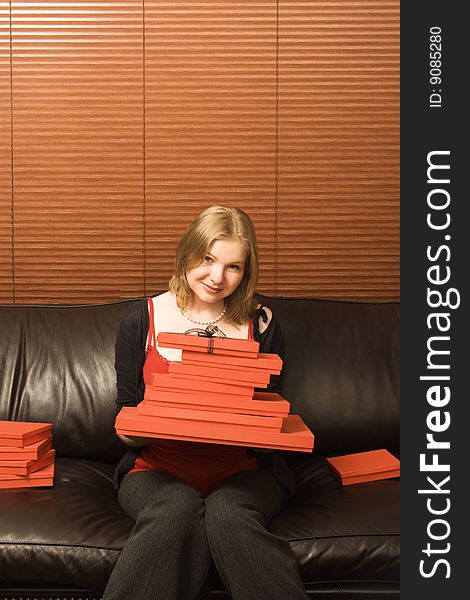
(220, 272)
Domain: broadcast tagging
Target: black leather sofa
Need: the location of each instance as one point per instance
(341, 375)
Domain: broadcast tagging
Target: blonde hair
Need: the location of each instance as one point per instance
(218, 223)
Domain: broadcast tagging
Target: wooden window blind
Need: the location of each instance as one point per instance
(211, 115)
(120, 120)
(77, 109)
(339, 149)
(6, 258)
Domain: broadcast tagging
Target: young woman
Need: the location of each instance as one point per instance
(196, 504)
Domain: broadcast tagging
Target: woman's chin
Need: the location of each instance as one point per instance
(210, 298)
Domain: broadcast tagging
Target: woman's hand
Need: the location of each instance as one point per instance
(135, 441)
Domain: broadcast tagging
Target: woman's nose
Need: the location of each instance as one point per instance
(216, 274)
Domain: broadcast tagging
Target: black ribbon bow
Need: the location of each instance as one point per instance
(210, 332)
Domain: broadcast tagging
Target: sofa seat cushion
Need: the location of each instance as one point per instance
(71, 535)
(68, 535)
(338, 533)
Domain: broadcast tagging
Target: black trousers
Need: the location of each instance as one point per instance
(179, 533)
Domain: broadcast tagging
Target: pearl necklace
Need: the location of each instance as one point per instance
(211, 322)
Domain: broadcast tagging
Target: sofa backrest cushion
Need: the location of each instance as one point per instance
(341, 372)
(57, 365)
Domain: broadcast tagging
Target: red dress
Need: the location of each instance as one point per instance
(203, 466)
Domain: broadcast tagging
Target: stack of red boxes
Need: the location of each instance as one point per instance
(26, 456)
(210, 397)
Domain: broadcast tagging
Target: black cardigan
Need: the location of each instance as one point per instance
(129, 361)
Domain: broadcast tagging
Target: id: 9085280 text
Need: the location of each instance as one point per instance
(435, 67)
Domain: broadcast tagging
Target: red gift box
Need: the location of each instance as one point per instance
(271, 363)
(43, 477)
(216, 381)
(219, 375)
(26, 466)
(364, 466)
(198, 414)
(294, 434)
(32, 451)
(262, 403)
(216, 345)
(20, 433)
(184, 384)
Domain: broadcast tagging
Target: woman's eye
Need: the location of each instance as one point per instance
(207, 259)
(235, 267)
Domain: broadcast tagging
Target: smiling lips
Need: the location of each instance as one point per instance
(211, 289)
